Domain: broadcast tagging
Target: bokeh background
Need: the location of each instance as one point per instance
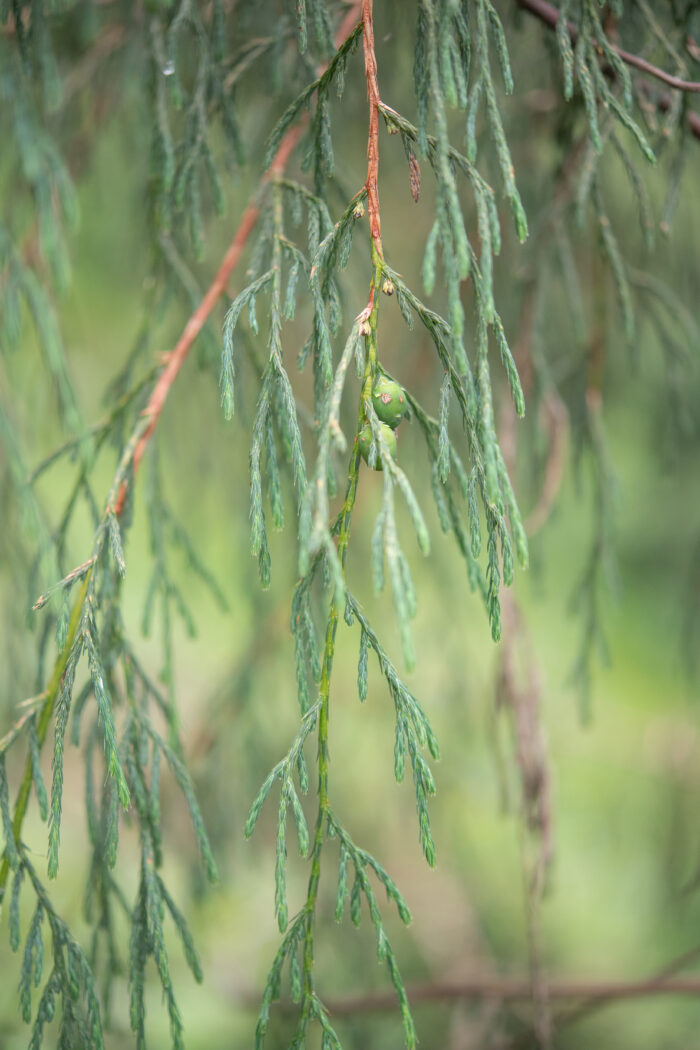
(621, 898)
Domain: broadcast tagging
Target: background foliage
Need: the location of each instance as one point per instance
(130, 129)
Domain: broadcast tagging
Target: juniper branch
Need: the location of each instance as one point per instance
(549, 14)
(142, 434)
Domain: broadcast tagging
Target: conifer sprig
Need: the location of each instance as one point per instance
(324, 540)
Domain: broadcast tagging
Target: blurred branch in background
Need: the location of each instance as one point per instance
(517, 692)
(503, 989)
(550, 15)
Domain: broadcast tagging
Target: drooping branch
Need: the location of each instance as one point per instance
(549, 15)
(145, 426)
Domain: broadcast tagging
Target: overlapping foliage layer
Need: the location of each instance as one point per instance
(196, 64)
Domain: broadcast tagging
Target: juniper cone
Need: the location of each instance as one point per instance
(389, 401)
(366, 440)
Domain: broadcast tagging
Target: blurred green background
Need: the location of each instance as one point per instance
(620, 902)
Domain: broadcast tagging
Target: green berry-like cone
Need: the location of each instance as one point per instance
(364, 442)
(389, 401)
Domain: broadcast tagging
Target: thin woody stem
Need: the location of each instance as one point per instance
(323, 755)
(375, 227)
(178, 356)
(344, 524)
(369, 318)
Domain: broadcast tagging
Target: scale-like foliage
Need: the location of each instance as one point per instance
(92, 690)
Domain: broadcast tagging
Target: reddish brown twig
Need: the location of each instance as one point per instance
(177, 357)
(371, 184)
